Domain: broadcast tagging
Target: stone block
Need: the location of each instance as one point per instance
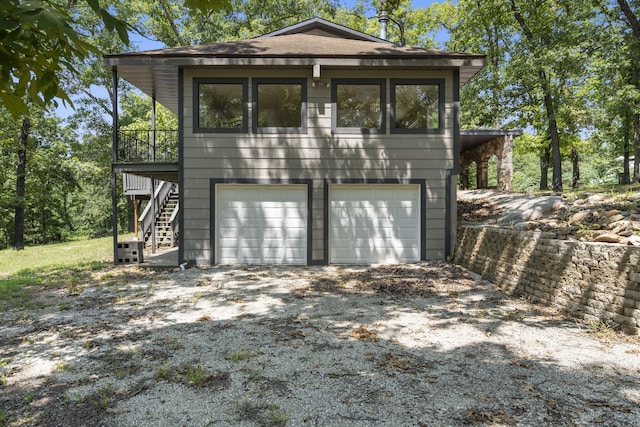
(590, 318)
(633, 286)
(581, 216)
(597, 305)
(603, 297)
(608, 238)
(632, 313)
(612, 212)
(625, 320)
(608, 265)
(589, 262)
(635, 295)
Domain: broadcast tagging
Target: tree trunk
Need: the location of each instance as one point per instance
(575, 163)
(626, 152)
(553, 133)
(548, 105)
(544, 169)
(636, 148)
(21, 175)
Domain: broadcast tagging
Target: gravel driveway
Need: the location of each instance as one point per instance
(411, 345)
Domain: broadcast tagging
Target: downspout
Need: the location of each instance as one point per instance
(114, 159)
(181, 202)
(153, 181)
(451, 201)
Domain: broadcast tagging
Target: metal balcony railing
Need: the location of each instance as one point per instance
(147, 146)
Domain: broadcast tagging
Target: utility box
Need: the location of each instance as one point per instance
(130, 252)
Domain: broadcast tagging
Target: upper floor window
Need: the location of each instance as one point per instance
(280, 105)
(358, 105)
(417, 106)
(220, 105)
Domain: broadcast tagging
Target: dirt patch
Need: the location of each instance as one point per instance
(424, 344)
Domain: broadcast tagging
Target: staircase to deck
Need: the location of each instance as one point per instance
(159, 220)
(166, 235)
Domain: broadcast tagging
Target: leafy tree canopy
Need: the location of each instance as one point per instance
(39, 39)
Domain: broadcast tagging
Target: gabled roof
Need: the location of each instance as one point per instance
(312, 42)
(296, 45)
(319, 26)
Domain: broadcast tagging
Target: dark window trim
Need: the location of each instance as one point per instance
(266, 181)
(441, 106)
(197, 81)
(422, 183)
(303, 108)
(383, 106)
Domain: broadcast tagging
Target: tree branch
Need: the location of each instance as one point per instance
(174, 27)
(631, 17)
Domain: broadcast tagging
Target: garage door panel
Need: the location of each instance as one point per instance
(259, 224)
(406, 234)
(254, 232)
(374, 223)
(247, 255)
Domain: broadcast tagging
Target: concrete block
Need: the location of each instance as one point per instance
(130, 252)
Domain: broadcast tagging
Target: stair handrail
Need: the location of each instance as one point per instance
(163, 190)
(174, 214)
(174, 223)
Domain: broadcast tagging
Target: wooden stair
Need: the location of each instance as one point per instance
(164, 229)
(165, 236)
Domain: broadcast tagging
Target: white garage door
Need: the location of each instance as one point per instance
(261, 224)
(374, 223)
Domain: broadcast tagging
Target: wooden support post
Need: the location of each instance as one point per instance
(136, 208)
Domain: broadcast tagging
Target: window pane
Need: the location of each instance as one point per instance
(358, 106)
(221, 105)
(279, 105)
(417, 106)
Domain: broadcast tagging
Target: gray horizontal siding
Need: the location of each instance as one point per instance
(318, 154)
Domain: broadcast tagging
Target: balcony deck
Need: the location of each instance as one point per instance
(148, 153)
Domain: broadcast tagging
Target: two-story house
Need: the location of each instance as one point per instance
(313, 144)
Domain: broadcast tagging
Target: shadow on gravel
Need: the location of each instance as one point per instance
(392, 345)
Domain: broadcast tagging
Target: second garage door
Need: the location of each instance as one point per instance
(261, 224)
(374, 223)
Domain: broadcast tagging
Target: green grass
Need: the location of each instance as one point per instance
(57, 265)
(57, 255)
(610, 190)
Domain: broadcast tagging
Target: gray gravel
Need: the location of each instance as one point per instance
(427, 344)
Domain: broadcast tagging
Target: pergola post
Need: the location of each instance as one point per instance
(505, 164)
(482, 173)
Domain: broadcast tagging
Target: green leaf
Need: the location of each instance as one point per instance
(207, 5)
(14, 104)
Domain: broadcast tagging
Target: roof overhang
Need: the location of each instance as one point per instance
(470, 139)
(304, 45)
(158, 77)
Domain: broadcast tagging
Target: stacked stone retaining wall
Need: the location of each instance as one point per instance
(590, 281)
